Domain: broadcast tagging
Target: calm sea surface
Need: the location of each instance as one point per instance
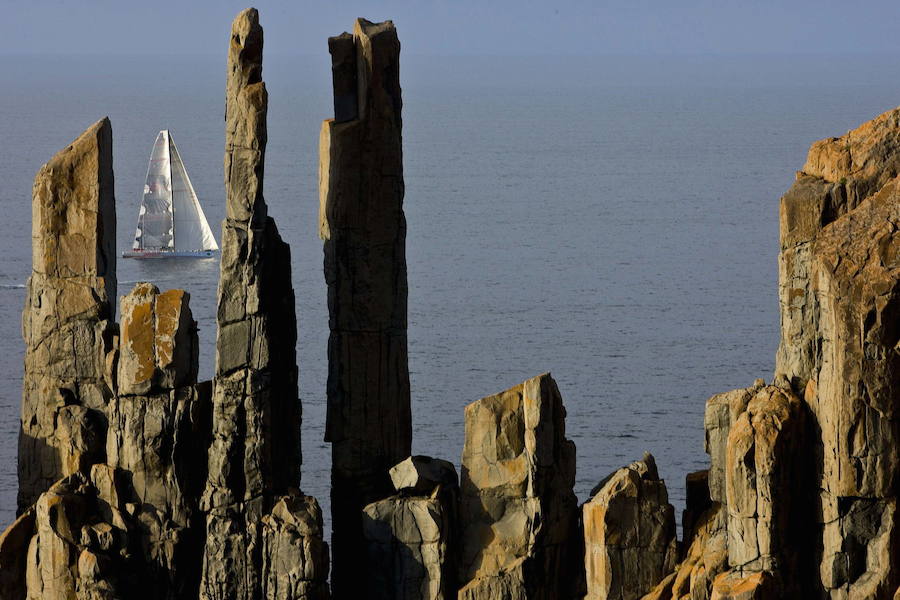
(611, 220)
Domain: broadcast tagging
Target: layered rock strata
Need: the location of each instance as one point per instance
(254, 458)
(517, 510)
(67, 323)
(629, 533)
(362, 223)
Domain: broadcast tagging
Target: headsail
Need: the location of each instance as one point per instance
(155, 220)
(170, 217)
(192, 230)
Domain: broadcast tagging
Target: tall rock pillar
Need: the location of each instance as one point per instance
(67, 323)
(362, 223)
(255, 453)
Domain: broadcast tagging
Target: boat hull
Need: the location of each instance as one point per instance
(163, 254)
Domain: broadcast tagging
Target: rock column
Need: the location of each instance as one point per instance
(517, 509)
(255, 453)
(67, 323)
(767, 504)
(362, 223)
(159, 432)
(629, 534)
(411, 537)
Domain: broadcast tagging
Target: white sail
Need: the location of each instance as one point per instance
(170, 217)
(192, 230)
(154, 228)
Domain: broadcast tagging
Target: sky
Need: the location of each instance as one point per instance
(462, 27)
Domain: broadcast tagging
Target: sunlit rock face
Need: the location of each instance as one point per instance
(629, 533)
(518, 513)
(67, 322)
(838, 175)
(363, 226)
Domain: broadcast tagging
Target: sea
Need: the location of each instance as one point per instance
(612, 220)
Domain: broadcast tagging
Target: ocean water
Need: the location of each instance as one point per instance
(611, 220)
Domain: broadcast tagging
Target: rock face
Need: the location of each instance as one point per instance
(362, 223)
(839, 174)
(255, 454)
(73, 550)
(411, 538)
(408, 549)
(517, 508)
(764, 471)
(838, 282)
(759, 586)
(158, 346)
(295, 556)
(159, 432)
(67, 323)
(629, 533)
(854, 395)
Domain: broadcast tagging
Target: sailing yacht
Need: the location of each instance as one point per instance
(171, 222)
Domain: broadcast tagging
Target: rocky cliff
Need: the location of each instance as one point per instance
(137, 481)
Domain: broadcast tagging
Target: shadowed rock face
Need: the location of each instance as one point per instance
(629, 533)
(295, 557)
(517, 509)
(362, 223)
(411, 538)
(67, 323)
(255, 454)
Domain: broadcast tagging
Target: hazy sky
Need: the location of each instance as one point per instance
(451, 27)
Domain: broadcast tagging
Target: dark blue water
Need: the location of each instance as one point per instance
(611, 220)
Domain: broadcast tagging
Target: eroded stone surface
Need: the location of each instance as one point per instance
(855, 395)
(764, 472)
(362, 222)
(629, 533)
(295, 557)
(158, 347)
(67, 323)
(73, 551)
(517, 511)
(409, 549)
(838, 175)
(420, 475)
(758, 586)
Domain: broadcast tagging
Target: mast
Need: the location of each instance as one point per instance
(171, 185)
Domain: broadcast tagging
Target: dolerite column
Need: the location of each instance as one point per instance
(67, 323)
(255, 453)
(361, 220)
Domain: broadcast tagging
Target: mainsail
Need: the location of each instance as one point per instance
(170, 218)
